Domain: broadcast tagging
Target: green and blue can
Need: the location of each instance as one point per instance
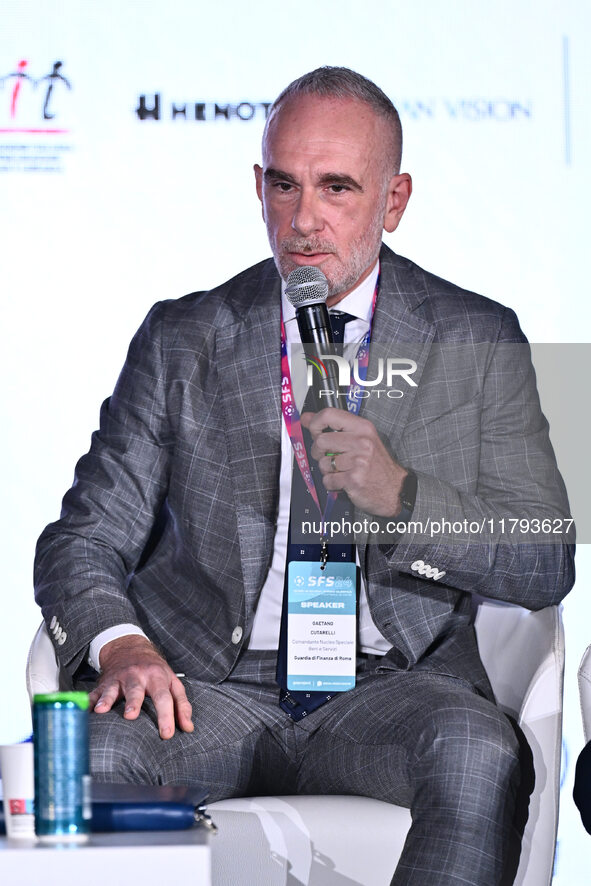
(62, 780)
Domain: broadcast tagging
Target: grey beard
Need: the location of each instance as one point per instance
(361, 258)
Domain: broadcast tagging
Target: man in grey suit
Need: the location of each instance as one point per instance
(170, 553)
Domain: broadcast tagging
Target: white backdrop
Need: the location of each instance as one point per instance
(104, 213)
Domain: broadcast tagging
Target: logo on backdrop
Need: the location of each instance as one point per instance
(34, 108)
(23, 93)
(462, 110)
(154, 107)
(474, 110)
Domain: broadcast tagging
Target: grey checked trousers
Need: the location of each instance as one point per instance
(421, 740)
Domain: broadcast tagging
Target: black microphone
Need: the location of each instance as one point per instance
(307, 290)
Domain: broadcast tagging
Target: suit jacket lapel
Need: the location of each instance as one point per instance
(398, 332)
(249, 361)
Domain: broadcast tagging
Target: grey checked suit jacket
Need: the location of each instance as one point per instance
(192, 432)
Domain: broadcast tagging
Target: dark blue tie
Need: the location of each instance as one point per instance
(300, 704)
(338, 321)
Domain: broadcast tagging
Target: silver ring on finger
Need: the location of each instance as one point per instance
(333, 463)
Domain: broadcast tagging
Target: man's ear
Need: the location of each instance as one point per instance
(258, 175)
(399, 191)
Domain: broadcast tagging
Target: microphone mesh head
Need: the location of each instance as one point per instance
(306, 286)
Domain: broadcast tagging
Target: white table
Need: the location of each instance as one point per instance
(148, 858)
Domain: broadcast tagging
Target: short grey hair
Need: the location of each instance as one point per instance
(338, 82)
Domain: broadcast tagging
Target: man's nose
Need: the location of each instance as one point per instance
(307, 218)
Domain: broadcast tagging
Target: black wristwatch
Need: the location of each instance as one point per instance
(408, 495)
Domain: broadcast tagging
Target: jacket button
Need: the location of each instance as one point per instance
(237, 634)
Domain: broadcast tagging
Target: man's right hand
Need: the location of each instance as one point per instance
(132, 669)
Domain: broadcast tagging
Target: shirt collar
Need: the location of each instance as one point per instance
(358, 303)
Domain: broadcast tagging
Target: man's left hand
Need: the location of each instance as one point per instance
(352, 457)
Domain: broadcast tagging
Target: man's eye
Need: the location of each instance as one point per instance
(337, 189)
(284, 187)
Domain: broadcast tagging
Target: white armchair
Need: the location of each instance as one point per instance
(584, 676)
(356, 841)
